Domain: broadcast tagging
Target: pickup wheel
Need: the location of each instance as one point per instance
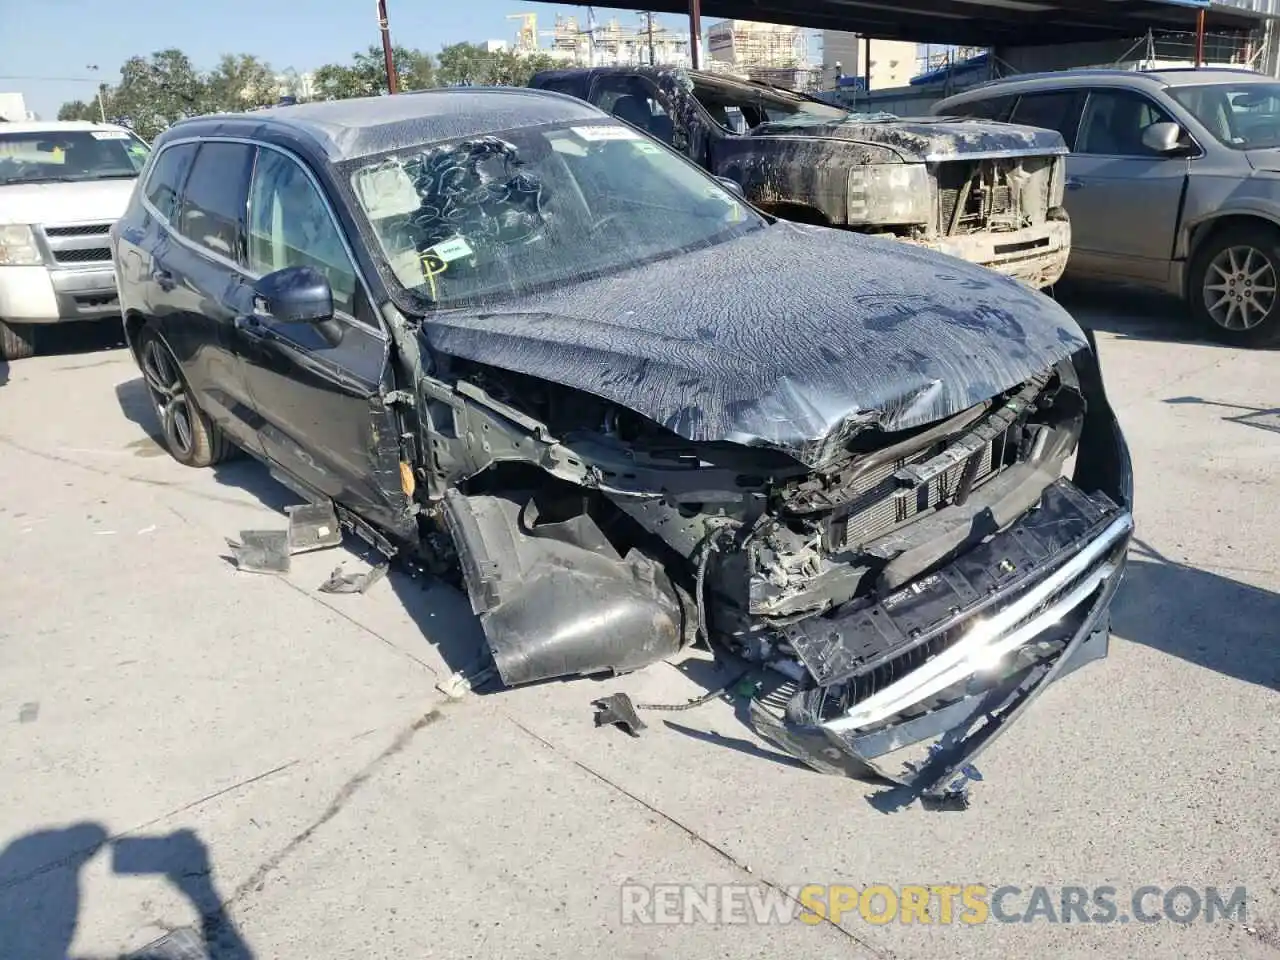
(17, 341)
(1235, 285)
(190, 436)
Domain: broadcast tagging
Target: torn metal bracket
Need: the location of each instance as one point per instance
(340, 582)
(617, 710)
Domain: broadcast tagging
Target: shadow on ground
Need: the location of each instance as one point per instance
(1258, 417)
(1199, 616)
(1130, 313)
(40, 892)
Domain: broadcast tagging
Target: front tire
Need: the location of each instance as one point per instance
(17, 341)
(189, 435)
(1235, 286)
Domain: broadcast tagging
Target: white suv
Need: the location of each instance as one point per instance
(62, 186)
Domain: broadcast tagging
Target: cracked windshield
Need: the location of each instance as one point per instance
(73, 155)
(497, 215)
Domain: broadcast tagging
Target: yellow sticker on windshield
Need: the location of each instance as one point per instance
(432, 266)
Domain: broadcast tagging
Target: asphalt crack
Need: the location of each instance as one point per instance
(692, 834)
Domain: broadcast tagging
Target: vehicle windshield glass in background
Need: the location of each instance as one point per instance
(495, 216)
(1243, 116)
(757, 105)
(54, 156)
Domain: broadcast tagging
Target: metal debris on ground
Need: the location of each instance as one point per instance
(181, 944)
(340, 582)
(618, 711)
(261, 551)
(312, 526)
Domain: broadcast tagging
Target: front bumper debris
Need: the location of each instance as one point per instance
(1036, 256)
(976, 641)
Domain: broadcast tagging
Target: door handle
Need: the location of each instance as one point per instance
(1074, 183)
(163, 278)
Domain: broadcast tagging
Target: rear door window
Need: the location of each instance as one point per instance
(1058, 110)
(164, 184)
(214, 198)
(992, 108)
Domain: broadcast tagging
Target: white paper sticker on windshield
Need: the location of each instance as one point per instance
(109, 135)
(608, 132)
(451, 250)
(648, 148)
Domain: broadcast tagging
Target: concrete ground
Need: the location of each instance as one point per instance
(187, 746)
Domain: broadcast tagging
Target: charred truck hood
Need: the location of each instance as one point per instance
(792, 337)
(927, 139)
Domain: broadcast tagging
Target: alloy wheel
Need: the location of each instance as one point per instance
(169, 396)
(1240, 288)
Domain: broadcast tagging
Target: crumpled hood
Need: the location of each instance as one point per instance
(782, 337)
(927, 138)
(86, 201)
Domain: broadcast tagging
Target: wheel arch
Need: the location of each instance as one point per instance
(1203, 232)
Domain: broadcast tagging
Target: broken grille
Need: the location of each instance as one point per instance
(880, 504)
(1001, 194)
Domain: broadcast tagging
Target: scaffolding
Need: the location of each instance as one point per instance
(745, 43)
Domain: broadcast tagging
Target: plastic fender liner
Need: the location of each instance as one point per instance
(555, 599)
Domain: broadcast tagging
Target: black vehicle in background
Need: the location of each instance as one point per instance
(989, 193)
(505, 333)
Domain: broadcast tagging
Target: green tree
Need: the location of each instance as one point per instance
(240, 82)
(366, 75)
(155, 92)
(466, 63)
(79, 110)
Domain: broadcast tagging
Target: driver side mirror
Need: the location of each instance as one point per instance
(733, 187)
(299, 295)
(1163, 138)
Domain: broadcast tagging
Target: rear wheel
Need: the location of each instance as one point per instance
(191, 437)
(17, 341)
(1235, 286)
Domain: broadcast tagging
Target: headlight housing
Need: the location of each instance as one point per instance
(18, 246)
(889, 193)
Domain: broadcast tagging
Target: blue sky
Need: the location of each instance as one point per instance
(60, 38)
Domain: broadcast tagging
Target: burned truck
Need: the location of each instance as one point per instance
(511, 339)
(990, 193)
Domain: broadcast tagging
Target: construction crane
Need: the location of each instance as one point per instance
(527, 37)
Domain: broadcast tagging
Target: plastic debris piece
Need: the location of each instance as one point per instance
(618, 711)
(261, 551)
(464, 681)
(340, 582)
(313, 526)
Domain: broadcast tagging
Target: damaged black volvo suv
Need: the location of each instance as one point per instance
(506, 336)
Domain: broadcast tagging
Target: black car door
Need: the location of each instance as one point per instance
(317, 388)
(195, 246)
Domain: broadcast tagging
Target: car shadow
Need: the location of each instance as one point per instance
(40, 892)
(1199, 616)
(4, 371)
(1130, 313)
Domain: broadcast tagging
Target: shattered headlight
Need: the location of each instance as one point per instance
(889, 193)
(18, 246)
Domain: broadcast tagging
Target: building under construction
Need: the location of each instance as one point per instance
(603, 44)
(745, 43)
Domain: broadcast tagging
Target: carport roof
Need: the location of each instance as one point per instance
(973, 22)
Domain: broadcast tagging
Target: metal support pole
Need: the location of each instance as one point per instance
(393, 81)
(695, 31)
(652, 59)
(1200, 37)
(102, 110)
(866, 64)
